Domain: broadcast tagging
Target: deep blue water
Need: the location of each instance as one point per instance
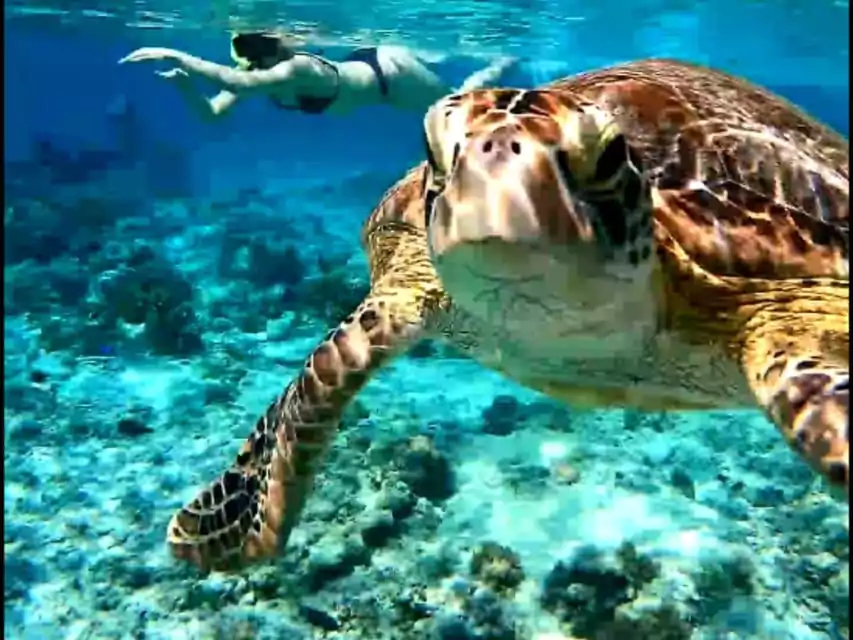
(118, 200)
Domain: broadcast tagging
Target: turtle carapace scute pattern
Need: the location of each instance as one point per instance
(656, 235)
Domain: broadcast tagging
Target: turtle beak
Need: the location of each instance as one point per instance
(506, 187)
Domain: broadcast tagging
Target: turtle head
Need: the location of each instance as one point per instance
(539, 192)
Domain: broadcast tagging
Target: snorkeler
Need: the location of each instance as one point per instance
(301, 81)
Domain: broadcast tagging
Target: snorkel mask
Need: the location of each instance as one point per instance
(256, 49)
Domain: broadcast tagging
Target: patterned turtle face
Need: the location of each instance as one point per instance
(539, 190)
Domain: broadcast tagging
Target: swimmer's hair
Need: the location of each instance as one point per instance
(254, 50)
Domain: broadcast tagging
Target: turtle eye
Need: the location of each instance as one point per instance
(456, 151)
(563, 164)
(429, 201)
(615, 155)
(433, 165)
(430, 190)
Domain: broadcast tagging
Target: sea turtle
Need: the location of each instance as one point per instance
(655, 234)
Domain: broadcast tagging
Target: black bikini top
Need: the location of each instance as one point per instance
(314, 105)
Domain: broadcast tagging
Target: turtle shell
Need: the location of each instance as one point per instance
(746, 183)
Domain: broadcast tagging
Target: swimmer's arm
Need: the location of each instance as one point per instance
(211, 108)
(485, 76)
(237, 81)
(222, 102)
(206, 108)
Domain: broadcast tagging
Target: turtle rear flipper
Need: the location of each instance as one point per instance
(248, 512)
(796, 359)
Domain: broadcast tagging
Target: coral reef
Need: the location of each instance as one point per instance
(427, 471)
(662, 623)
(497, 567)
(151, 293)
(585, 592)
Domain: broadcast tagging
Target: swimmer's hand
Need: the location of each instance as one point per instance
(153, 53)
(177, 74)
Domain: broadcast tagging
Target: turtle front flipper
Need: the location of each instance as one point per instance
(248, 512)
(797, 363)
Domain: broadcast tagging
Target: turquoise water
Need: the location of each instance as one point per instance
(244, 235)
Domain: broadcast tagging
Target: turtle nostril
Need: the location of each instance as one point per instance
(487, 146)
(515, 147)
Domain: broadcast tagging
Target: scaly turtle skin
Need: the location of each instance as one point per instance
(656, 235)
